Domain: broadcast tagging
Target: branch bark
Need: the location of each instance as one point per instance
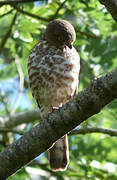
(90, 101)
(2, 131)
(19, 118)
(111, 6)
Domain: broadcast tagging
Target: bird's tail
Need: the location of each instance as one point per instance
(59, 155)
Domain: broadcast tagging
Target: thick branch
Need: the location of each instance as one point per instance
(111, 6)
(90, 101)
(19, 118)
(2, 131)
(81, 131)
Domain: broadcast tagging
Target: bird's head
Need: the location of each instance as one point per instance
(60, 33)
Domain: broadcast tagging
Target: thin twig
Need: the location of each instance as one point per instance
(39, 17)
(8, 33)
(9, 12)
(21, 85)
(110, 132)
(57, 11)
(10, 2)
(30, 14)
(87, 34)
(52, 18)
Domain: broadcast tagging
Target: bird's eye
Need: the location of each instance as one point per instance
(60, 38)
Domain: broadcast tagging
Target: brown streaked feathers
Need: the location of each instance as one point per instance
(53, 69)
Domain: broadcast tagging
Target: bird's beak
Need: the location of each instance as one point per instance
(70, 46)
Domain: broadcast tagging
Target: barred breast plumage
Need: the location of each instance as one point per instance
(53, 74)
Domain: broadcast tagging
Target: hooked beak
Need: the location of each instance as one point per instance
(70, 46)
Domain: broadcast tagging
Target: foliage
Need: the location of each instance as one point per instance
(92, 156)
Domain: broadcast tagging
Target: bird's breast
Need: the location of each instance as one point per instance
(53, 73)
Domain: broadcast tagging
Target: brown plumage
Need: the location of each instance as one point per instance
(53, 69)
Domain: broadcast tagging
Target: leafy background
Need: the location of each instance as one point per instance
(92, 156)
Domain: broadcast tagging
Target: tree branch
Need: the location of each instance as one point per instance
(19, 118)
(21, 83)
(39, 17)
(87, 34)
(10, 2)
(110, 132)
(12, 131)
(57, 11)
(111, 6)
(81, 131)
(8, 33)
(90, 101)
(9, 12)
(29, 14)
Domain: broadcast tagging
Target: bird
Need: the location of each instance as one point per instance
(53, 68)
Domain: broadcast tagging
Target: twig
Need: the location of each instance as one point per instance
(84, 2)
(21, 85)
(7, 34)
(39, 17)
(87, 34)
(110, 132)
(30, 14)
(57, 11)
(7, 13)
(10, 2)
